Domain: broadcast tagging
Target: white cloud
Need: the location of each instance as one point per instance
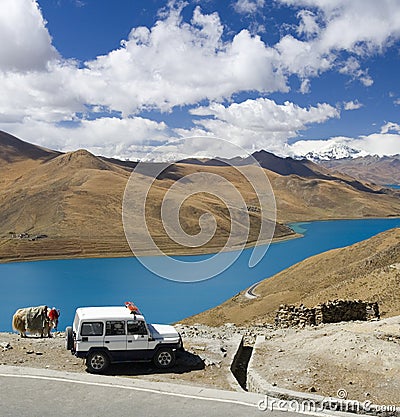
(386, 142)
(359, 27)
(176, 63)
(259, 124)
(107, 136)
(352, 68)
(248, 6)
(308, 25)
(171, 64)
(378, 144)
(352, 105)
(305, 86)
(390, 127)
(25, 42)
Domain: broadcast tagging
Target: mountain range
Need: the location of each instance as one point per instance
(383, 170)
(332, 151)
(75, 199)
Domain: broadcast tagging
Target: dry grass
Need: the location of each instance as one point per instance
(76, 199)
(368, 270)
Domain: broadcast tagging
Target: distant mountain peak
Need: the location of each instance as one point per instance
(333, 151)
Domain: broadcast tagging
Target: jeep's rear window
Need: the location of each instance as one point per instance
(92, 329)
(115, 328)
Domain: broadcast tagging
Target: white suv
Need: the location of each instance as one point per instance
(104, 335)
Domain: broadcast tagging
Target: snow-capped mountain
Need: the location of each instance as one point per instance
(332, 151)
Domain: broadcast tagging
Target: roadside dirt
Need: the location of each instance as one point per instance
(362, 358)
(205, 362)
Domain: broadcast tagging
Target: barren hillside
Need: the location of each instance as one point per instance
(379, 170)
(76, 200)
(368, 270)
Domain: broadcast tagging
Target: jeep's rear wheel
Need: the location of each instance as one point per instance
(164, 358)
(97, 362)
(69, 338)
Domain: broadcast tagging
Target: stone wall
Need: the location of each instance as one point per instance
(330, 312)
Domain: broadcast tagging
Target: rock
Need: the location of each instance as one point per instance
(6, 346)
(29, 352)
(39, 353)
(202, 348)
(312, 389)
(208, 362)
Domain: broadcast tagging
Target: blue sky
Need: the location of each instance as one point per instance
(120, 78)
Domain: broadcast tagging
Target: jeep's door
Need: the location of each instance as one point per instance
(137, 340)
(115, 337)
(91, 336)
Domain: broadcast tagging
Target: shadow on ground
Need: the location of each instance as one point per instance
(185, 362)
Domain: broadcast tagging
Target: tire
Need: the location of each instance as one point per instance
(69, 338)
(164, 358)
(97, 362)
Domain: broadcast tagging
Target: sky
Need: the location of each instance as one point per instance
(121, 78)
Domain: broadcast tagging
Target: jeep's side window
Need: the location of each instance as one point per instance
(92, 329)
(115, 328)
(136, 327)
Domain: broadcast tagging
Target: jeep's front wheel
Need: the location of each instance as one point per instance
(97, 362)
(164, 358)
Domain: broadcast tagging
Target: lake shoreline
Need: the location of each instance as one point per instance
(110, 281)
(125, 251)
(128, 253)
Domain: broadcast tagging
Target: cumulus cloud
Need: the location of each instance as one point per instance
(358, 27)
(108, 136)
(25, 42)
(171, 64)
(259, 123)
(384, 142)
(177, 63)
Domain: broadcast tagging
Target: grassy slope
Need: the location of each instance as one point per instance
(76, 199)
(366, 270)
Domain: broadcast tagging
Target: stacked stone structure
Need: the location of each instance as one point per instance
(330, 312)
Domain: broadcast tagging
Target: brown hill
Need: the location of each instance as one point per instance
(368, 270)
(76, 199)
(375, 169)
(288, 167)
(13, 149)
(271, 162)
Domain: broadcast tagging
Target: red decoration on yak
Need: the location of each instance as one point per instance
(53, 314)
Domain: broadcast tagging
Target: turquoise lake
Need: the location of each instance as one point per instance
(68, 284)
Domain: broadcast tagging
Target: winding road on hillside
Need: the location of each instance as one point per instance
(249, 293)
